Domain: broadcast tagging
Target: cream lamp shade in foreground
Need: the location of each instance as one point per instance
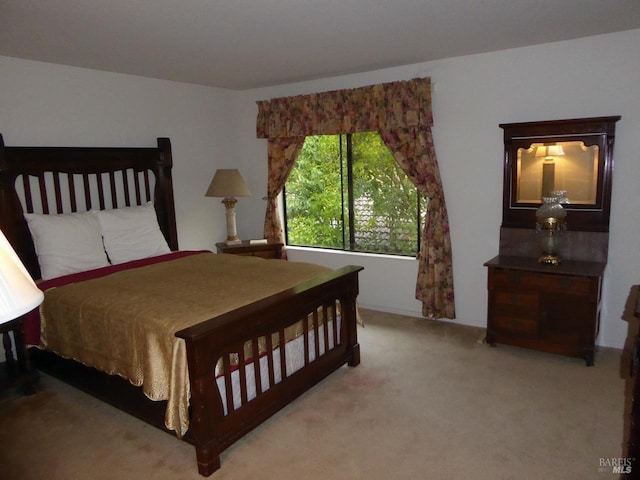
(18, 292)
(228, 184)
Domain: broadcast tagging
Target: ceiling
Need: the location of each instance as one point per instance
(243, 44)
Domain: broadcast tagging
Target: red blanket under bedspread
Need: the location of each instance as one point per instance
(32, 319)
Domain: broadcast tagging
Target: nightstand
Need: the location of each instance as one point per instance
(17, 372)
(264, 250)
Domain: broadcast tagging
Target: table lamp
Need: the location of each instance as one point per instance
(551, 222)
(18, 295)
(229, 184)
(18, 291)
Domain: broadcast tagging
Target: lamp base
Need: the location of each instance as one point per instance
(549, 260)
(232, 241)
(230, 206)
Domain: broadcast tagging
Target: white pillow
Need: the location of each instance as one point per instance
(131, 233)
(66, 243)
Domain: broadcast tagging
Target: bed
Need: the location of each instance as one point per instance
(242, 361)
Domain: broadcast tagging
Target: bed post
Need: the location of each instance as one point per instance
(163, 195)
(351, 317)
(206, 416)
(206, 404)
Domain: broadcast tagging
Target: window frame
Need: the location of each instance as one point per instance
(348, 237)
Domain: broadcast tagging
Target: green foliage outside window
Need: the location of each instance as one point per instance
(384, 218)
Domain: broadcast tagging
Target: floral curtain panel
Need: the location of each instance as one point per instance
(282, 153)
(401, 112)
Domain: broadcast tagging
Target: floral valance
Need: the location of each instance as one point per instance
(403, 104)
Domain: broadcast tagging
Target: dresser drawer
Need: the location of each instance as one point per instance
(516, 313)
(506, 298)
(516, 323)
(517, 280)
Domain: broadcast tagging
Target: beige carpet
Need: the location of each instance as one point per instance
(427, 402)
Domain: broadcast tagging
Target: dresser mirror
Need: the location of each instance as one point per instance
(545, 167)
(575, 156)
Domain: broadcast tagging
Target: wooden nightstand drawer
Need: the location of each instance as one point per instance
(271, 253)
(263, 250)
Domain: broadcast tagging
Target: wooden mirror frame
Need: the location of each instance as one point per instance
(591, 131)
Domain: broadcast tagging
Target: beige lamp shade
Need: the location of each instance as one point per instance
(228, 183)
(18, 292)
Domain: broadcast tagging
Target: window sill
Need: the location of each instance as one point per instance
(351, 254)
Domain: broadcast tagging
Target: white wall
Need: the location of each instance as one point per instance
(45, 104)
(596, 76)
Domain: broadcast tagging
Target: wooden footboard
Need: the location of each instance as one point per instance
(215, 421)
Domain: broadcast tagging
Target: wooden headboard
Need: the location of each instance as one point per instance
(73, 179)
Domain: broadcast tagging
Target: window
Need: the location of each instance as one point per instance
(347, 192)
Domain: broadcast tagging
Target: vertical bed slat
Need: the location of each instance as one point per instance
(255, 351)
(305, 334)
(243, 376)
(136, 184)
(72, 193)
(327, 319)
(26, 186)
(57, 192)
(87, 191)
(114, 195)
(316, 331)
(100, 192)
(334, 315)
(125, 185)
(270, 367)
(147, 186)
(43, 193)
(283, 356)
(226, 370)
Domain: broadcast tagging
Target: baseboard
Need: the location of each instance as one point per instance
(397, 311)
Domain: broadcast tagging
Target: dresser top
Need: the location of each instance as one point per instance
(568, 267)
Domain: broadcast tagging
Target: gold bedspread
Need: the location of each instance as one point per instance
(124, 323)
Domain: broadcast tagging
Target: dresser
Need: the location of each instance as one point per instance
(552, 308)
(545, 286)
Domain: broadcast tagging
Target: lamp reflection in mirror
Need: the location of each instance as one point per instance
(548, 152)
(18, 292)
(229, 184)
